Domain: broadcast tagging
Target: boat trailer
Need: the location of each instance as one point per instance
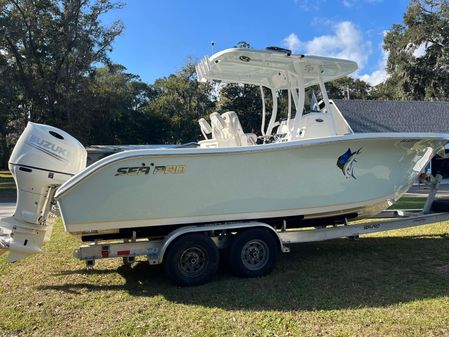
(155, 249)
(257, 244)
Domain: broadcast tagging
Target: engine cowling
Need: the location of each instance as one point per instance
(43, 158)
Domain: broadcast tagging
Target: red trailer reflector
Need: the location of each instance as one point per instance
(123, 252)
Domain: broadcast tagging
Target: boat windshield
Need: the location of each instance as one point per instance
(311, 102)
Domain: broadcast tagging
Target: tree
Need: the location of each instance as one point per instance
(387, 90)
(11, 119)
(418, 61)
(117, 103)
(179, 102)
(245, 100)
(8, 107)
(347, 86)
(50, 47)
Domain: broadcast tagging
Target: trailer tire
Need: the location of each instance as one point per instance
(191, 260)
(253, 253)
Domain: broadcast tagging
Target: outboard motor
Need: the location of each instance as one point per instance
(43, 159)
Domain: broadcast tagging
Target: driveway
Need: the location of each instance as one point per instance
(7, 209)
(422, 190)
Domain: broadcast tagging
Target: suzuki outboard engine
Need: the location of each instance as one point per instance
(43, 158)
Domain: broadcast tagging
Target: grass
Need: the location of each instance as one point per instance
(5, 174)
(409, 202)
(7, 186)
(391, 284)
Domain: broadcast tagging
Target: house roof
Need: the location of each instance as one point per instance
(395, 116)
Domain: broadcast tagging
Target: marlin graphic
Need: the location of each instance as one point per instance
(346, 163)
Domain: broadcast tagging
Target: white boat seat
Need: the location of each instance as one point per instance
(220, 133)
(218, 126)
(226, 131)
(206, 129)
(235, 129)
(282, 129)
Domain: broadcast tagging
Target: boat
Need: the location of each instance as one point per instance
(305, 168)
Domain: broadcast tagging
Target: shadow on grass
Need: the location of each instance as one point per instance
(371, 272)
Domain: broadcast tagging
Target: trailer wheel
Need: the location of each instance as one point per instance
(191, 260)
(253, 253)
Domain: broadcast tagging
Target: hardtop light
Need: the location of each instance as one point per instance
(288, 52)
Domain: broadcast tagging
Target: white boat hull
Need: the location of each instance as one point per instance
(167, 187)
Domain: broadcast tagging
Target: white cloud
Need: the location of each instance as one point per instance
(316, 5)
(292, 42)
(346, 42)
(352, 3)
(380, 74)
(310, 5)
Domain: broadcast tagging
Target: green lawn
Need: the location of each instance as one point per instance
(409, 202)
(391, 284)
(5, 174)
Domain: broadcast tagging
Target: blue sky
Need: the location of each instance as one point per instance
(160, 36)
